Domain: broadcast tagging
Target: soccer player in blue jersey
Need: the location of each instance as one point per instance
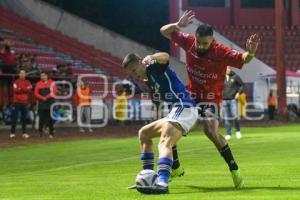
(162, 79)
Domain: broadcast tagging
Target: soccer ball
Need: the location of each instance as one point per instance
(146, 177)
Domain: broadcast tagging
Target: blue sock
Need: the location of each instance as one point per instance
(147, 159)
(164, 169)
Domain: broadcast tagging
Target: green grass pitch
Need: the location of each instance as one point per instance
(102, 169)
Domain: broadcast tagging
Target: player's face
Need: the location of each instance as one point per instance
(203, 44)
(22, 74)
(44, 77)
(136, 71)
(228, 70)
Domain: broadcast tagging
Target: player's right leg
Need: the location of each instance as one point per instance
(146, 133)
(169, 135)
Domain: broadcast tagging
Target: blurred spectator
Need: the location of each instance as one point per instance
(45, 91)
(33, 67)
(7, 114)
(62, 114)
(64, 70)
(233, 86)
(83, 100)
(1, 115)
(20, 61)
(53, 72)
(121, 107)
(22, 89)
(271, 105)
(57, 114)
(9, 62)
(137, 88)
(26, 61)
(242, 101)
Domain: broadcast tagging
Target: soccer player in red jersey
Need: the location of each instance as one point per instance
(206, 63)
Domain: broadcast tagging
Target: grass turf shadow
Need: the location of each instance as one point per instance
(231, 189)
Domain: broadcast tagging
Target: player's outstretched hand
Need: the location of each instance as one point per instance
(186, 18)
(252, 43)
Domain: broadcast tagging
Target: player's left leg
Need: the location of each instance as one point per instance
(177, 169)
(211, 127)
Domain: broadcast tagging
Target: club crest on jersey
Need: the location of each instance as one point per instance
(233, 53)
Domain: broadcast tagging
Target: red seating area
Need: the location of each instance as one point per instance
(60, 42)
(266, 53)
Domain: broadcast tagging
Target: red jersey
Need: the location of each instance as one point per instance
(22, 89)
(45, 92)
(8, 58)
(207, 72)
(46, 89)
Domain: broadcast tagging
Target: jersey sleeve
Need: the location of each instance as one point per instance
(231, 57)
(158, 67)
(184, 40)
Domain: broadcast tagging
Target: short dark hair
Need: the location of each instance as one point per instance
(204, 30)
(130, 59)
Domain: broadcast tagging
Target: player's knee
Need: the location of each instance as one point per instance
(143, 135)
(169, 136)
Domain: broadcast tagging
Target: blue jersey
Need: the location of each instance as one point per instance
(163, 80)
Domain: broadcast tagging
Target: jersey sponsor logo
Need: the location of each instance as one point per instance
(201, 75)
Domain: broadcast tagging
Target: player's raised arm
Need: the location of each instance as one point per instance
(185, 20)
(251, 46)
(160, 57)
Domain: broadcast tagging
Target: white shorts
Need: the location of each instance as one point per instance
(186, 117)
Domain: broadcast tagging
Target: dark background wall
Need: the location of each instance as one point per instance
(242, 12)
(139, 20)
